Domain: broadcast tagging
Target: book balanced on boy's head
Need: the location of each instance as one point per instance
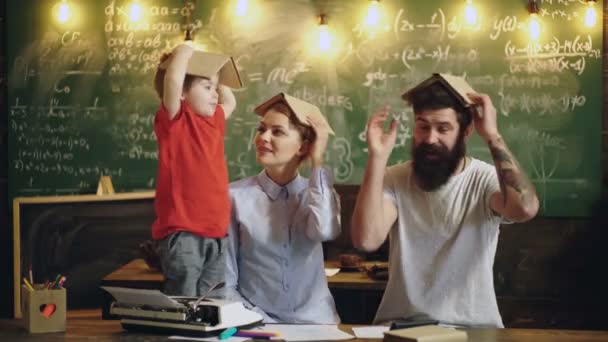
(207, 64)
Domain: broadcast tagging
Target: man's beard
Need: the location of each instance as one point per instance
(433, 173)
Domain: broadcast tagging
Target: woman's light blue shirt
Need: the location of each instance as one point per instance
(275, 257)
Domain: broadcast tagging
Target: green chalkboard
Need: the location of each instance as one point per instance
(81, 102)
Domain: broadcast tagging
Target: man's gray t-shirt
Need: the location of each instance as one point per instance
(442, 248)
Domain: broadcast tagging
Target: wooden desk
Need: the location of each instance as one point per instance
(356, 295)
(139, 275)
(87, 325)
(135, 274)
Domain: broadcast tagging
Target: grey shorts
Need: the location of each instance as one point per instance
(192, 264)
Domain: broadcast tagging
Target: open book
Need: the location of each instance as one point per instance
(207, 64)
(454, 84)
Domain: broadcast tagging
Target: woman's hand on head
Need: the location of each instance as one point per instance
(318, 146)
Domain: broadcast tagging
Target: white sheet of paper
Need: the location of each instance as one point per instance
(289, 332)
(331, 271)
(216, 338)
(307, 332)
(375, 331)
(153, 298)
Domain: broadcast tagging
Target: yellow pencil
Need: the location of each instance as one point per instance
(27, 284)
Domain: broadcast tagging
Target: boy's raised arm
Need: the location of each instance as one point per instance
(227, 99)
(174, 78)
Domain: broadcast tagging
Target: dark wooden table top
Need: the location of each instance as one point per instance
(87, 325)
(137, 274)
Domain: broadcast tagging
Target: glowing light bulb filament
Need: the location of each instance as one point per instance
(470, 13)
(135, 12)
(324, 38)
(590, 15)
(241, 8)
(373, 14)
(63, 12)
(534, 27)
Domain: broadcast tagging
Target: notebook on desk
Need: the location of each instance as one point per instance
(427, 333)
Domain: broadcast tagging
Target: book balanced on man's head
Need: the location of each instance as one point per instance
(427, 333)
(456, 85)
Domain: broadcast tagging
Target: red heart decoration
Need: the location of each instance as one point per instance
(47, 310)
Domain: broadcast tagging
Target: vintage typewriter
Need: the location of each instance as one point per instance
(154, 312)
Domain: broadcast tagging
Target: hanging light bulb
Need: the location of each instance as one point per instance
(241, 7)
(135, 12)
(63, 12)
(534, 27)
(324, 35)
(534, 21)
(373, 14)
(590, 14)
(470, 13)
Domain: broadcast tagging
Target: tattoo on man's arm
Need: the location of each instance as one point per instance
(510, 174)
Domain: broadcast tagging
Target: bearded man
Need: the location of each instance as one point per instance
(441, 210)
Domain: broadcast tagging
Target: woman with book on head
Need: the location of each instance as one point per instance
(279, 219)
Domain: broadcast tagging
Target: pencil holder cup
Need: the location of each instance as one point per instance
(43, 310)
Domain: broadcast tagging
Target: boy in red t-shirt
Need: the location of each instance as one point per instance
(192, 204)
